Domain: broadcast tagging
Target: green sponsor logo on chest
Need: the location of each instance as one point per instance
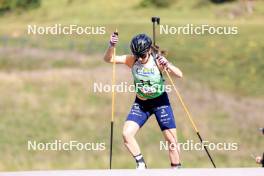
(145, 71)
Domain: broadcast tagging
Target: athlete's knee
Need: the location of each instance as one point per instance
(127, 135)
(172, 141)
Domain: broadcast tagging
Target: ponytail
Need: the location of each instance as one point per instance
(157, 51)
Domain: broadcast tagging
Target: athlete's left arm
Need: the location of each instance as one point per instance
(163, 64)
(175, 70)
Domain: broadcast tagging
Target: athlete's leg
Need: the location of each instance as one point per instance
(136, 119)
(129, 131)
(171, 137)
(165, 119)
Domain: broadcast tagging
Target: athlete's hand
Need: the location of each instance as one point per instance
(258, 159)
(163, 61)
(113, 39)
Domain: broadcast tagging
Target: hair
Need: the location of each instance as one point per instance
(156, 49)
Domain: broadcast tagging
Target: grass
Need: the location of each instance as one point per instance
(220, 57)
(29, 63)
(46, 84)
(55, 104)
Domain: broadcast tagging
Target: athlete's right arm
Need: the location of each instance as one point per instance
(108, 57)
(124, 59)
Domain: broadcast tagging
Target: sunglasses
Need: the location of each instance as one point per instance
(143, 56)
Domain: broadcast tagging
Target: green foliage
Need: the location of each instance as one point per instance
(7, 5)
(157, 3)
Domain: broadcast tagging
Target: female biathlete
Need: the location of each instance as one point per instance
(151, 97)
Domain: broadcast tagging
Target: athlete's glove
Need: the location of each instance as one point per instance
(259, 160)
(113, 39)
(163, 61)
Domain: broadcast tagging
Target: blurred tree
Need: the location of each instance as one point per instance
(69, 1)
(157, 3)
(9, 5)
(221, 1)
(249, 5)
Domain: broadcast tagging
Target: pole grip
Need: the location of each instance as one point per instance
(154, 34)
(155, 20)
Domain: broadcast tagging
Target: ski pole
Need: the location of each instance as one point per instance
(154, 21)
(190, 117)
(157, 20)
(113, 105)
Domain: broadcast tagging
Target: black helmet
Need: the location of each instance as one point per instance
(140, 44)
